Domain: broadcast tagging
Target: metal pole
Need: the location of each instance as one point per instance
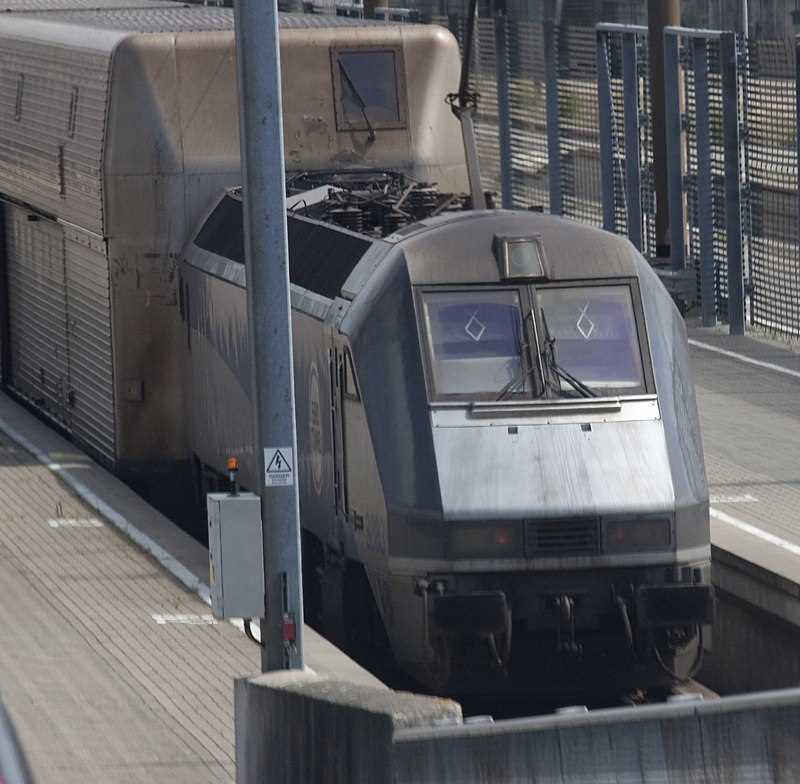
(674, 147)
(705, 187)
(604, 110)
(733, 206)
(269, 312)
(633, 185)
(744, 17)
(660, 14)
(550, 32)
(503, 109)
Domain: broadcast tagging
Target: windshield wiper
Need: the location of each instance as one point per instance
(361, 102)
(524, 351)
(514, 383)
(550, 358)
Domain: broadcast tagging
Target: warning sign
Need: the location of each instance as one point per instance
(279, 471)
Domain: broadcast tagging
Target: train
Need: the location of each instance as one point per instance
(500, 468)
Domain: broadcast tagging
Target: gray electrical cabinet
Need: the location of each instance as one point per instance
(236, 556)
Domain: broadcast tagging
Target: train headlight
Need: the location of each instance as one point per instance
(485, 541)
(520, 257)
(635, 535)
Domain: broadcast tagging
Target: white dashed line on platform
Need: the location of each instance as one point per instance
(742, 358)
(733, 499)
(188, 619)
(74, 522)
(777, 541)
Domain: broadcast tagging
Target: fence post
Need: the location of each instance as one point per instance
(754, 290)
(605, 110)
(705, 187)
(733, 208)
(674, 131)
(633, 187)
(503, 110)
(553, 126)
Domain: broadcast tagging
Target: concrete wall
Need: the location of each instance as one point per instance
(756, 641)
(300, 728)
(748, 739)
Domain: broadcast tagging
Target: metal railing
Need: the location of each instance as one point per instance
(704, 111)
(626, 141)
(565, 124)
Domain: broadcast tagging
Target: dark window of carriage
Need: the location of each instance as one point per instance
(369, 88)
(320, 257)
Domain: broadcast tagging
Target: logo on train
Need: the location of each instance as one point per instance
(315, 428)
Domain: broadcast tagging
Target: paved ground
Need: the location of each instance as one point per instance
(99, 689)
(750, 416)
(110, 668)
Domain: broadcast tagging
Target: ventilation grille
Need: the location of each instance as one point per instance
(579, 536)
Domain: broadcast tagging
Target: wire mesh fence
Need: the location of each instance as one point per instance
(705, 169)
(528, 115)
(521, 48)
(772, 178)
(565, 124)
(624, 103)
(579, 128)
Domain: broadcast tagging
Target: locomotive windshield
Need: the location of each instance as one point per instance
(476, 343)
(480, 343)
(592, 335)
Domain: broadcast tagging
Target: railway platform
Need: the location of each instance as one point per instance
(111, 665)
(748, 394)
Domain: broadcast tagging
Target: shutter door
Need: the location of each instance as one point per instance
(37, 311)
(90, 362)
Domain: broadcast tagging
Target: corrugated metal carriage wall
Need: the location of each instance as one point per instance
(37, 311)
(60, 326)
(52, 118)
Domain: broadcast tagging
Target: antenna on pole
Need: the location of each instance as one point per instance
(464, 103)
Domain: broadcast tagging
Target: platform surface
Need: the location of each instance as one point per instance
(748, 394)
(111, 669)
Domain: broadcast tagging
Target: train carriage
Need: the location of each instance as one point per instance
(499, 455)
(119, 127)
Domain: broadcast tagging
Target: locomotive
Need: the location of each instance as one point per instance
(500, 466)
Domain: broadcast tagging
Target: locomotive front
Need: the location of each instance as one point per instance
(526, 385)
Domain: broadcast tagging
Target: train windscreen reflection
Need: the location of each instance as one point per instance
(593, 329)
(475, 343)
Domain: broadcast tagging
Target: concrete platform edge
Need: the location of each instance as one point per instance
(149, 545)
(44, 444)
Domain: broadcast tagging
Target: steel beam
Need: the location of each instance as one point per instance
(503, 110)
(553, 125)
(705, 186)
(673, 130)
(605, 112)
(660, 14)
(733, 202)
(633, 180)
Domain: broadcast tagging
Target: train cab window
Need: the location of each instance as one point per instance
(590, 334)
(477, 345)
(368, 89)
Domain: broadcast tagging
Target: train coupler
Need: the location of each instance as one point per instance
(565, 629)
